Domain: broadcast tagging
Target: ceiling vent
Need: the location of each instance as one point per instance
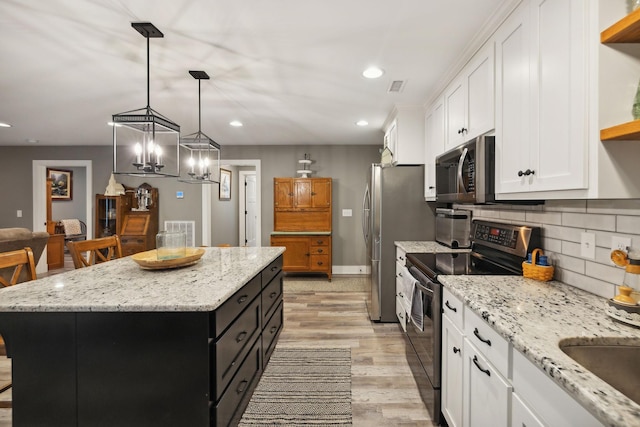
(396, 86)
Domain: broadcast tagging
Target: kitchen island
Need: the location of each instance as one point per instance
(114, 344)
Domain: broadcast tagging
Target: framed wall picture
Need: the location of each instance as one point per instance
(62, 184)
(225, 185)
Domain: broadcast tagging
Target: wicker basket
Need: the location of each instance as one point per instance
(543, 273)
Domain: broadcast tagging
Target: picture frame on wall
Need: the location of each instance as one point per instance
(61, 184)
(225, 184)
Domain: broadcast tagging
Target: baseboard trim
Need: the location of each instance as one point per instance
(350, 269)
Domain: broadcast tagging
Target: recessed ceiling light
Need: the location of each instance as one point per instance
(4, 125)
(373, 72)
(362, 123)
(114, 124)
(32, 140)
(236, 123)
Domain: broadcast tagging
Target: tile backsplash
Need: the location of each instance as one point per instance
(562, 223)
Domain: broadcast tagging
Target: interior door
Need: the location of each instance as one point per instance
(250, 213)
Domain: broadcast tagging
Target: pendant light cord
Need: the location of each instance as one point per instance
(148, 77)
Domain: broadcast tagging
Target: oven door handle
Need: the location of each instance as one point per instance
(461, 188)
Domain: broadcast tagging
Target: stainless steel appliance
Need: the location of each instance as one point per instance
(466, 174)
(393, 209)
(453, 227)
(497, 249)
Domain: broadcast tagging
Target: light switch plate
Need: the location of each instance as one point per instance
(588, 245)
(19, 213)
(347, 212)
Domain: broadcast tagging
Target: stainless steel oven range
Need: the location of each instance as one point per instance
(497, 249)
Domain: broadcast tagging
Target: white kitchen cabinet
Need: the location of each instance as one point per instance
(521, 415)
(541, 98)
(402, 300)
(433, 146)
(469, 100)
(487, 395)
(404, 135)
(452, 373)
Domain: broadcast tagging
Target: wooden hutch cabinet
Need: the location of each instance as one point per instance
(302, 223)
(120, 215)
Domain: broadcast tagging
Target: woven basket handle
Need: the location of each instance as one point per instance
(535, 254)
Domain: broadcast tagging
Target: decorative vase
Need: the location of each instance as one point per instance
(635, 111)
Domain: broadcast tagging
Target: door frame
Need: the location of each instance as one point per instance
(39, 174)
(211, 191)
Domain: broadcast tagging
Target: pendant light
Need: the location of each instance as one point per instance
(145, 143)
(203, 164)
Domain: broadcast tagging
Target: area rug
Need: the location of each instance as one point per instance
(303, 387)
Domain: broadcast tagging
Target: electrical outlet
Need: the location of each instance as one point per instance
(620, 243)
(588, 245)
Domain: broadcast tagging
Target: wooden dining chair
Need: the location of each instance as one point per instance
(89, 252)
(18, 261)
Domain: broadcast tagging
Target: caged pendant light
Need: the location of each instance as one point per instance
(145, 143)
(204, 160)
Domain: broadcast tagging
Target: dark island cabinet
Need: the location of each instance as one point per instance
(144, 368)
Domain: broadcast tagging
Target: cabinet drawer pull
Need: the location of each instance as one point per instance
(273, 329)
(400, 294)
(456, 350)
(475, 362)
(484, 340)
(400, 275)
(320, 263)
(242, 386)
(401, 315)
(320, 251)
(241, 336)
(272, 295)
(455, 310)
(242, 299)
(320, 242)
(274, 268)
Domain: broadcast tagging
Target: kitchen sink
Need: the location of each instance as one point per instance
(616, 361)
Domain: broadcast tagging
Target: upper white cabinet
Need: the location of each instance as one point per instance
(469, 100)
(404, 135)
(541, 98)
(433, 146)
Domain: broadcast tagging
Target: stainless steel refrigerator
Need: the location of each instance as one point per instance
(393, 209)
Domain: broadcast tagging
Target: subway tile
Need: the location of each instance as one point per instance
(571, 248)
(512, 215)
(605, 273)
(570, 263)
(552, 218)
(603, 256)
(603, 238)
(579, 206)
(589, 284)
(589, 221)
(551, 245)
(628, 224)
(616, 207)
(562, 233)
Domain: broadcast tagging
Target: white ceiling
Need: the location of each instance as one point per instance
(290, 70)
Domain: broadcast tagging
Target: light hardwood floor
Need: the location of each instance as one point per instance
(384, 392)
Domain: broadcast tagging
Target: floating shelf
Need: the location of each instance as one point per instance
(622, 132)
(626, 30)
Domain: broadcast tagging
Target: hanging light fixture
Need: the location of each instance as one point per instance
(203, 164)
(145, 143)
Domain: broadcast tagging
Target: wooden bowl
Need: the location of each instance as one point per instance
(149, 260)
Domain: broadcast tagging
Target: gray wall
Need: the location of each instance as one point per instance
(346, 164)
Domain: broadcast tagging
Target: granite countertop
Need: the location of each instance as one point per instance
(534, 316)
(427, 247)
(121, 285)
(301, 233)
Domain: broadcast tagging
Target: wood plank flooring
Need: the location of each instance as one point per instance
(384, 392)
(383, 389)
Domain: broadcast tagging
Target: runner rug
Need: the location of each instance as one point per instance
(303, 387)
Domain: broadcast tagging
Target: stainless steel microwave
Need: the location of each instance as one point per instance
(466, 174)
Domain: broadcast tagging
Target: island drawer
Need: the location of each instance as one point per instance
(233, 345)
(271, 271)
(232, 404)
(270, 333)
(271, 295)
(228, 311)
